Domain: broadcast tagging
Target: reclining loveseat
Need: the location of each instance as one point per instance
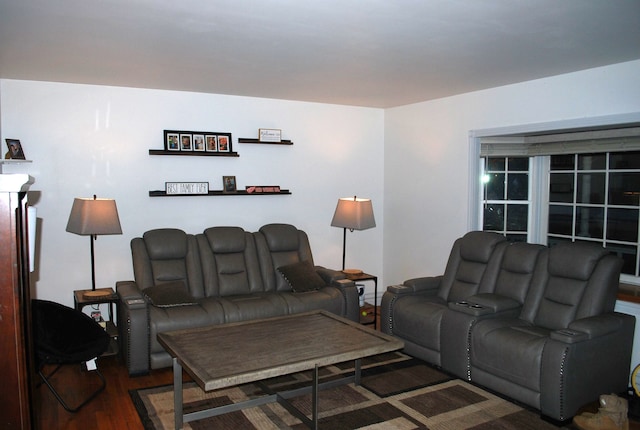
(535, 324)
(222, 275)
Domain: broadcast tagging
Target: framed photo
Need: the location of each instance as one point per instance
(15, 149)
(171, 141)
(229, 184)
(224, 142)
(269, 135)
(186, 143)
(198, 142)
(211, 142)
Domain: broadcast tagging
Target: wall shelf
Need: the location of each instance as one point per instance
(258, 141)
(10, 161)
(193, 153)
(160, 193)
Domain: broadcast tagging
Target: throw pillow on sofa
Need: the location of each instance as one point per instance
(302, 276)
(169, 294)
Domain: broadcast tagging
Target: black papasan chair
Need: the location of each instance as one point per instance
(63, 335)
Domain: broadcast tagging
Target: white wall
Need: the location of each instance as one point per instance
(87, 140)
(427, 154)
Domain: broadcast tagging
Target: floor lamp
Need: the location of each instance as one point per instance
(353, 214)
(93, 217)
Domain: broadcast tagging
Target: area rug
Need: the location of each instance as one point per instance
(397, 392)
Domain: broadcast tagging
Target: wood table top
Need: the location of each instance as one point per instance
(231, 354)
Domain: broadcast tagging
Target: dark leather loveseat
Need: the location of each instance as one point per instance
(536, 324)
(222, 275)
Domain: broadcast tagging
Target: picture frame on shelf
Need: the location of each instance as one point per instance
(171, 141)
(224, 142)
(198, 142)
(269, 135)
(211, 143)
(229, 184)
(186, 143)
(15, 151)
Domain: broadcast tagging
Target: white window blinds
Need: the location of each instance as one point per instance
(609, 140)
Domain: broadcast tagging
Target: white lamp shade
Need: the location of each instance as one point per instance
(354, 214)
(92, 216)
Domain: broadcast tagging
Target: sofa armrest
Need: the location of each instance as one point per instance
(588, 328)
(351, 300)
(426, 285)
(598, 364)
(133, 326)
(486, 304)
(329, 275)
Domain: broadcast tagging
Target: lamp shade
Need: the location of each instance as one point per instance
(92, 216)
(354, 214)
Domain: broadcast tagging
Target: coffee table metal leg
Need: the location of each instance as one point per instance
(314, 399)
(177, 393)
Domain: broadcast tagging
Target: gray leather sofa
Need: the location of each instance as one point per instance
(535, 324)
(222, 275)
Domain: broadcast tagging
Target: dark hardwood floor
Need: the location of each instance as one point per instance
(112, 409)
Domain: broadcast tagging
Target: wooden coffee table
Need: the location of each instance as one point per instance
(233, 354)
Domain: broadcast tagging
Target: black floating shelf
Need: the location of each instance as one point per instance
(250, 140)
(160, 193)
(192, 153)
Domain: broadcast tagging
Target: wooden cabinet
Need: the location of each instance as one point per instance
(16, 350)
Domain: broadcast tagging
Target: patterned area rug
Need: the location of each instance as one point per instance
(397, 392)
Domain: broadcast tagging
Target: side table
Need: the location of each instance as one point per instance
(358, 277)
(80, 300)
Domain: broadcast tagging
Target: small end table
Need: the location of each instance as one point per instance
(81, 299)
(358, 277)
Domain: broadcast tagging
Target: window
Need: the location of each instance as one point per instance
(549, 187)
(596, 198)
(506, 196)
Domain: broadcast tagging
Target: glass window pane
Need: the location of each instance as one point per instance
(519, 163)
(561, 187)
(560, 219)
(517, 186)
(495, 187)
(628, 255)
(622, 224)
(562, 162)
(517, 216)
(493, 217)
(624, 189)
(590, 188)
(592, 161)
(589, 222)
(495, 164)
(624, 160)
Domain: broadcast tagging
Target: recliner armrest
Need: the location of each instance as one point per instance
(329, 275)
(350, 293)
(427, 285)
(133, 327)
(588, 328)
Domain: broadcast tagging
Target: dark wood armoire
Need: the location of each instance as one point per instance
(16, 351)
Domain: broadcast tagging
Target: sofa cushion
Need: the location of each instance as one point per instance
(302, 276)
(169, 294)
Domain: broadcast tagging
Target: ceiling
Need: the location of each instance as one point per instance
(376, 53)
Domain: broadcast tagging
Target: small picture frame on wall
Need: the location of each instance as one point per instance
(224, 143)
(171, 141)
(229, 184)
(15, 150)
(198, 142)
(186, 143)
(211, 143)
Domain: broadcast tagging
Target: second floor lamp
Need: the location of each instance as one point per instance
(354, 214)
